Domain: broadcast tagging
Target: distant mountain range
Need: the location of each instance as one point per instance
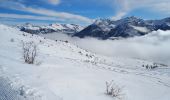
(123, 28)
(45, 29)
(102, 28)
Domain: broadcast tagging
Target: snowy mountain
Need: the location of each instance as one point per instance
(63, 71)
(127, 27)
(45, 29)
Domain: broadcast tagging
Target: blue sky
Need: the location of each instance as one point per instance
(81, 12)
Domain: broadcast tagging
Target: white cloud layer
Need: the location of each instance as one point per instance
(18, 16)
(46, 12)
(54, 2)
(126, 6)
(153, 47)
(61, 15)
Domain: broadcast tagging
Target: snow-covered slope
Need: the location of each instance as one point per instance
(63, 71)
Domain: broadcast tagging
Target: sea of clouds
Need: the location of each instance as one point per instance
(153, 47)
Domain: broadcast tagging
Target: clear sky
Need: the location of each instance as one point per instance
(79, 11)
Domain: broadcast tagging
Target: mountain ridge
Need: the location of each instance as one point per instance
(126, 27)
(45, 29)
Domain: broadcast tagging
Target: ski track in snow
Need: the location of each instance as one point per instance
(7, 92)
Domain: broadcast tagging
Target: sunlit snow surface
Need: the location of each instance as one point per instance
(64, 71)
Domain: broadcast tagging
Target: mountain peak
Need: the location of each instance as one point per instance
(133, 17)
(104, 21)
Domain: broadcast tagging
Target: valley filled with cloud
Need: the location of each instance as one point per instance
(152, 47)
